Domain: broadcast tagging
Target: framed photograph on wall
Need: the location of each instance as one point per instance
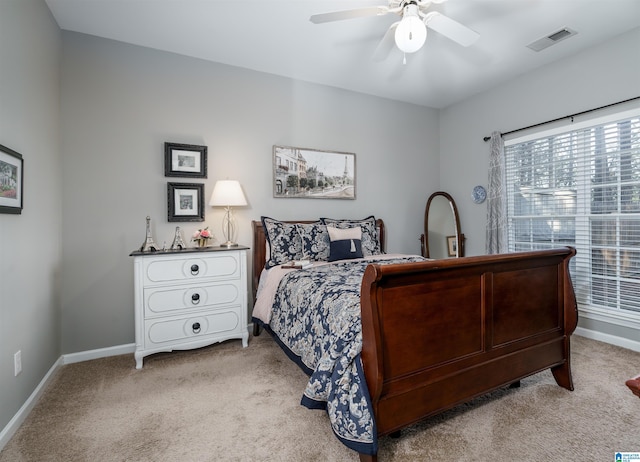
(11, 179)
(185, 201)
(313, 174)
(452, 246)
(185, 160)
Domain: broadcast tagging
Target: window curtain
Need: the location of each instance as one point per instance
(497, 238)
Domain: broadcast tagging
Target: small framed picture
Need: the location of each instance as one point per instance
(185, 201)
(452, 246)
(11, 179)
(185, 160)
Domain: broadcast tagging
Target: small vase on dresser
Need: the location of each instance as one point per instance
(189, 298)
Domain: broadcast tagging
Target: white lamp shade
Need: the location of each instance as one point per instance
(227, 193)
(411, 34)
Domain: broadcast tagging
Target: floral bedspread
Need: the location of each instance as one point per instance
(316, 317)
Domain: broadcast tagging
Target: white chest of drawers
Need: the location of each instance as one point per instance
(189, 299)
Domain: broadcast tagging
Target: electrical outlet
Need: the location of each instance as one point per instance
(17, 363)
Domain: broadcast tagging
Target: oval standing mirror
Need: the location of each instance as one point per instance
(442, 237)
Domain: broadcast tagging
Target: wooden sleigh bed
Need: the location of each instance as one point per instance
(439, 333)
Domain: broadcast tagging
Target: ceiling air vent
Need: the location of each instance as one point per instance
(551, 39)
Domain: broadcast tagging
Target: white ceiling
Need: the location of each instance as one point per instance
(276, 36)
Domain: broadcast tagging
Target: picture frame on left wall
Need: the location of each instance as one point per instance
(11, 181)
(185, 201)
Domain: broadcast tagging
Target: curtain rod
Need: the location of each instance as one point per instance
(570, 116)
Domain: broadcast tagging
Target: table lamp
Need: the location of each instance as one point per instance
(227, 194)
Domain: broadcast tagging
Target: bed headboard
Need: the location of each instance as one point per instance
(260, 246)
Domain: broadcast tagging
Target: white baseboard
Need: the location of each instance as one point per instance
(99, 353)
(13, 425)
(607, 338)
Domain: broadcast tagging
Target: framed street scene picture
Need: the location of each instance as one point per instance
(313, 174)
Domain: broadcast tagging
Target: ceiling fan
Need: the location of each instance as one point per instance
(410, 33)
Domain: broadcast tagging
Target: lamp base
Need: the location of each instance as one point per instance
(228, 229)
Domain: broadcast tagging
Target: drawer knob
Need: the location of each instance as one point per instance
(196, 327)
(195, 269)
(195, 299)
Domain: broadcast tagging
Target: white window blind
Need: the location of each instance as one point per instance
(582, 188)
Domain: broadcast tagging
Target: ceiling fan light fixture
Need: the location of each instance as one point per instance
(411, 33)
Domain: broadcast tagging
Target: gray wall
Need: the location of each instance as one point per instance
(120, 103)
(30, 244)
(597, 77)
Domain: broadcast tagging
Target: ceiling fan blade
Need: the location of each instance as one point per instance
(386, 44)
(349, 14)
(451, 29)
(424, 4)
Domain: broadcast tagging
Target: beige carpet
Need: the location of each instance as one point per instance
(226, 403)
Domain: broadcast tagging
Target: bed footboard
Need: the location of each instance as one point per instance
(440, 333)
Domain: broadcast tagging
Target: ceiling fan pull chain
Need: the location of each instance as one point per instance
(404, 58)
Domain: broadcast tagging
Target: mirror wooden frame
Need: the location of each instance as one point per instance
(424, 241)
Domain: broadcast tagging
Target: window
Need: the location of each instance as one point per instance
(582, 188)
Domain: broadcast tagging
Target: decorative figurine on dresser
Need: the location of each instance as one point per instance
(178, 242)
(148, 245)
(189, 298)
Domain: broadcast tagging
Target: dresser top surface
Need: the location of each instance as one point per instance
(138, 253)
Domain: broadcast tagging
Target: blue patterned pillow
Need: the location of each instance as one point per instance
(370, 241)
(345, 243)
(315, 241)
(284, 242)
